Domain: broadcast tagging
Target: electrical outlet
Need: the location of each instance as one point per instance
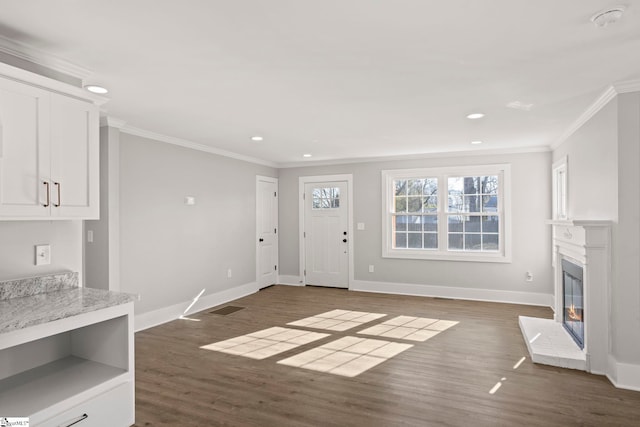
(371, 268)
(229, 274)
(43, 254)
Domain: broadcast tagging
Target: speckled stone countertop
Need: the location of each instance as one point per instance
(35, 308)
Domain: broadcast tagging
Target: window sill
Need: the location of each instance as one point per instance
(449, 256)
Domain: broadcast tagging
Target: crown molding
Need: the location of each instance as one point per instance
(439, 155)
(28, 53)
(627, 86)
(611, 92)
(112, 122)
(194, 145)
(591, 111)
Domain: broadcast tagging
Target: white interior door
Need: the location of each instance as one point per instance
(326, 219)
(267, 231)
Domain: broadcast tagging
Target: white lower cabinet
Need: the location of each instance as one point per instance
(111, 408)
(75, 371)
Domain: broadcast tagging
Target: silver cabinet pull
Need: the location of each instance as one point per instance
(57, 184)
(46, 205)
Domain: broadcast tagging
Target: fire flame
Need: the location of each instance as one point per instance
(573, 315)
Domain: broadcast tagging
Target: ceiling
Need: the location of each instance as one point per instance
(339, 79)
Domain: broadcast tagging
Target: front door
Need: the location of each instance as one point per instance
(267, 231)
(325, 234)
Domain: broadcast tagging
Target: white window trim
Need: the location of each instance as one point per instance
(504, 201)
(559, 177)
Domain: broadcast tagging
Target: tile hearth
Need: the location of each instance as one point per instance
(550, 344)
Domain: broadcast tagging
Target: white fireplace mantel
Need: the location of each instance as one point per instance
(588, 244)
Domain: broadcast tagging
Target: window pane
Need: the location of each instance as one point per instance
(430, 240)
(430, 204)
(490, 224)
(326, 198)
(490, 184)
(414, 223)
(455, 241)
(324, 203)
(401, 204)
(316, 193)
(472, 223)
(335, 203)
(490, 242)
(471, 185)
(472, 203)
(489, 203)
(414, 187)
(316, 203)
(415, 240)
(455, 223)
(472, 242)
(430, 187)
(415, 204)
(455, 185)
(401, 240)
(401, 223)
(430, 223)
(455, 203)
(401, 187)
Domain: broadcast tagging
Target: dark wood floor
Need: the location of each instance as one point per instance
(443, 381)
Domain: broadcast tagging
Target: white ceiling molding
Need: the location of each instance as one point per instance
(112, 122)
(627, 86)
(194, 145)
(440, 155)
(593, 109)
(28, 53)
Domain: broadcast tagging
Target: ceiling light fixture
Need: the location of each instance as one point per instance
(607, 16)
(518, 105)
(476, 142)
(474, 116)
(96, 89)
(257, 138)
(306, 155)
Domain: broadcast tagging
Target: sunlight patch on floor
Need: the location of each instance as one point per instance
(265, 343)
(409, 328)
(348, 356)
(337, 320)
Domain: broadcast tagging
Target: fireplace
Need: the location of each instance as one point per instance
(573, 301)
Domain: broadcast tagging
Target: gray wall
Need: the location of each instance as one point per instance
(603, 180)
(17, 247)
(531, 242)
(169, 251)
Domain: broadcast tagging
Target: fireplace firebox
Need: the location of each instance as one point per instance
(573, 301)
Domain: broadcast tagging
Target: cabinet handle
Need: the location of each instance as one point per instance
(75, 420)
(57, 184)
(46, 205)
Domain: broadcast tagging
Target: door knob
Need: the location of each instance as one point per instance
(261, 240)
(344, 240)
(344, 232)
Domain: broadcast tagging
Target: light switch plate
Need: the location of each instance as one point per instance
(43, 254)
(360, 226)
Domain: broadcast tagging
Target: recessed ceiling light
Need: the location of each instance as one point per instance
(306, 155)
(473, 116)
(476, 142)
(257, 138)
(96, 89)
(518, 105)
(607, 16)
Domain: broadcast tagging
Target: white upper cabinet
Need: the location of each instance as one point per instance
(49, 151)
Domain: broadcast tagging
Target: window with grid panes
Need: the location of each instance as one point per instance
(447, 213)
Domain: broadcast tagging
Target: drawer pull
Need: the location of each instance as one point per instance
(75, 420)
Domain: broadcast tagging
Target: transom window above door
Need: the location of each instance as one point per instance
(326, 198)
(447, 213)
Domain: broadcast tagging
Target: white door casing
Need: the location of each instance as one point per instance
(266, 231)
(326, 233)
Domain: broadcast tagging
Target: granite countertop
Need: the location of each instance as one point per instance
(38, 308)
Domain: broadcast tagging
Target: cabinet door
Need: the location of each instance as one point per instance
(75, 160)
(24, 150)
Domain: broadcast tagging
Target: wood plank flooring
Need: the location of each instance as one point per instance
(444, 381)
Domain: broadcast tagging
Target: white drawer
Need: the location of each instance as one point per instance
(113, 408)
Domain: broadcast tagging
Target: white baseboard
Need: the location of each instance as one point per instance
(624, 375)
(289, 280)
(167, 314)
(491, 295)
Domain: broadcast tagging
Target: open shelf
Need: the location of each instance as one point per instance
(44, 386)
